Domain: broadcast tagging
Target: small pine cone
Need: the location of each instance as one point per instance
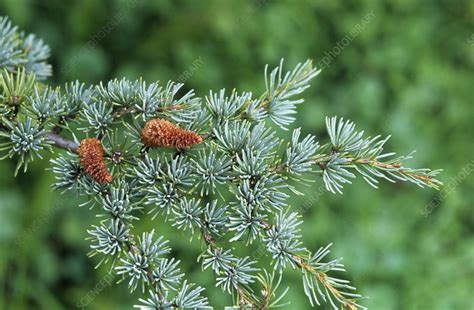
(159, 132)
(91, 155)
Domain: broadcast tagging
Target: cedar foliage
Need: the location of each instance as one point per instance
(122, 124)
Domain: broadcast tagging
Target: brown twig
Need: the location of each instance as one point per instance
(322, 277)
(62, 143)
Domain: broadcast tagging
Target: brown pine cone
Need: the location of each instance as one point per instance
(91, 155)
(159, 132)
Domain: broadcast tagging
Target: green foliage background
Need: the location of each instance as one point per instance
(409, 73)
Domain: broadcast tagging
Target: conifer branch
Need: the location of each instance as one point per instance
(152, 150)
(245, 299)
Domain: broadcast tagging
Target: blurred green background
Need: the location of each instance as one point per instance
(409, 72)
